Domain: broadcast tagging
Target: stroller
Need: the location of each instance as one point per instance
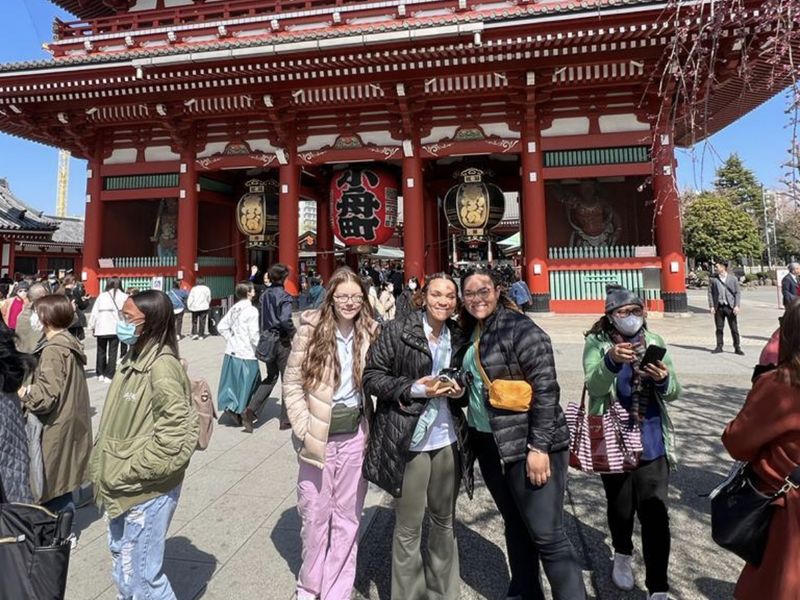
(34, 551)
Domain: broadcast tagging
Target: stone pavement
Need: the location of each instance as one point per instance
(236, 533)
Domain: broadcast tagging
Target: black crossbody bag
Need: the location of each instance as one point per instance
(741, 514)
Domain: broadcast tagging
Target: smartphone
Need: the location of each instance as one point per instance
(653, 354)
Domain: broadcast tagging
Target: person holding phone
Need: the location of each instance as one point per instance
(623, 361)
(417, 443)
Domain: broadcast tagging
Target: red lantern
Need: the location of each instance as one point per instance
(364, 202)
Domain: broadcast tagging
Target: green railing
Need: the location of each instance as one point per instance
(591, 285)
(221, 285)
(140, 284)
(139, 262)
(568, 252)
(597, 156)
(216, 261)
(141, 182)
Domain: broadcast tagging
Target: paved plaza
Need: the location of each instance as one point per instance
(235, 534)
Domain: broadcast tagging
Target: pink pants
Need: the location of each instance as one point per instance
(330, 502)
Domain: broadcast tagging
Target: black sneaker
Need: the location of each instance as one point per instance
(739, 351)
(716, 350)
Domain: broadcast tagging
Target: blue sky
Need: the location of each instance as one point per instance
(761, 138)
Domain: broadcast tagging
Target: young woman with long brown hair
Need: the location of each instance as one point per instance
(766, 433)
(329, 414)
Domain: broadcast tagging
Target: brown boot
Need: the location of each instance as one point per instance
(248, 418)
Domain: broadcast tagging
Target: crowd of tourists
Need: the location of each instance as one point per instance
(405, 384)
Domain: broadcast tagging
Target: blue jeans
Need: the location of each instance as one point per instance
(136, 540)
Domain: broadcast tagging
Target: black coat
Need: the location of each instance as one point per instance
(514, 347)
(276, 312)
(398, 358)
(789, 289)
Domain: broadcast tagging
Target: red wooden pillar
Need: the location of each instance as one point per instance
(93, 226)
(413, 217)
(668, 224)
(188, 210)
(288, 224)
(431, 234)
(326, 259)
(533, 207)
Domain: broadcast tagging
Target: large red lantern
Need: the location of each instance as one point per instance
(364, 202)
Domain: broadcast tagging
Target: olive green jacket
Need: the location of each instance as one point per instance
(148, 432)
(601, 384)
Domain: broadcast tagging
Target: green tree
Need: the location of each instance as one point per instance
(714, 227)
(740, 183)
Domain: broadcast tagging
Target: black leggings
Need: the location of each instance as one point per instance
(534, 523)
(642, 492)
(107, 349)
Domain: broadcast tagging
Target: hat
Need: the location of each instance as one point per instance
(617, 296)
(23, 286)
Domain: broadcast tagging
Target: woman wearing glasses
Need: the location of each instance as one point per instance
(523, 455)
(329, 414)
(612, 356)
(417, 442)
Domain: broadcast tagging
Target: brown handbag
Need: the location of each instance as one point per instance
(514, 395)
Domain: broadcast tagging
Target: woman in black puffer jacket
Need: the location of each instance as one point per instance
(416, 449)
(523, 456)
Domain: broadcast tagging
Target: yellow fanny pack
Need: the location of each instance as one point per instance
(505, 394)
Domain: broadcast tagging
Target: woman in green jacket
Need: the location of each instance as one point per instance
(148, 432)
(612, 356)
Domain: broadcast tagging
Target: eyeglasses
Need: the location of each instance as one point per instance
(626, 312)
(355, 299)
(482, 293)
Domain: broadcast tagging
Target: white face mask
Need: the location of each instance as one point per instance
(628, 326)
(36, 324)
(390, 288)
(412, 285)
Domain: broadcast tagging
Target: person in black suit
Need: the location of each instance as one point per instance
(789, 285)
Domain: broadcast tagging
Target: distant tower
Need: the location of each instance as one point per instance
(63, 183)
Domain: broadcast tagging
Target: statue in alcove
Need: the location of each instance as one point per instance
(166, 232)
(593, 221)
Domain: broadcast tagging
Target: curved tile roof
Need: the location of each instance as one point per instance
(15, 215)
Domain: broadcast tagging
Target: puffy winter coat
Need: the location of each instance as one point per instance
(514, 347)
(398, 358)
(309, 410)
(14, 450)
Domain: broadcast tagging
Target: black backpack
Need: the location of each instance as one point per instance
(34, 551)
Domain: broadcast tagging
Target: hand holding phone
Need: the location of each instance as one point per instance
(652, 355)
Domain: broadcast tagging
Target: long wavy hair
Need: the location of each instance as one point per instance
(789, 345)
(466, 320)
(321, 352)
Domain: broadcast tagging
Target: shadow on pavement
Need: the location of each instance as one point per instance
(286, 539)
(190, 574)
(714, 588)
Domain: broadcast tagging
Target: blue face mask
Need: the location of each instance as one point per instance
(126, 333)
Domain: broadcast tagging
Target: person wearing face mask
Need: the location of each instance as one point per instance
(612, 355)
(417, 446)
(240, 373)
(409, 300)
(148, 432)
(30, 331)
(59, 397)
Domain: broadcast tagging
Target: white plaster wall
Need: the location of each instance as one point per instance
(500, 130)
(157, 153)
(568, 126)
(315, 142)
(121, 156)
(440, 133)
(261, 146)
(212, 148)
(379, 138)
(620, 123)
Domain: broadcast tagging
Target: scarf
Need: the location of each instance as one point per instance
(642, 390)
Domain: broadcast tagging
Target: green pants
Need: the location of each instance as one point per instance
(431, 478)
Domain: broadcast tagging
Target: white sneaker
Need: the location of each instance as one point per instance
(622, 574)
(195, 337)
(101, 379)
(658, 596)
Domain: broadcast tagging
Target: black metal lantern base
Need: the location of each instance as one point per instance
(675, 302)
(540, 303)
